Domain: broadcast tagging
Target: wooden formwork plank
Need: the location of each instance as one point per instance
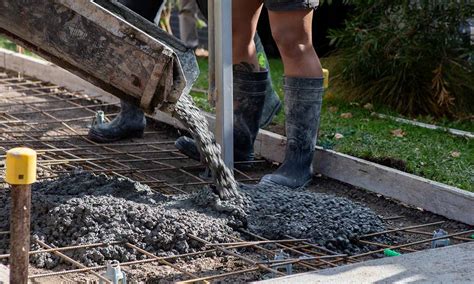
(413, 190)
(453, 131)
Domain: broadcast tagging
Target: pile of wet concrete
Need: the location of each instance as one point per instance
(84, 208)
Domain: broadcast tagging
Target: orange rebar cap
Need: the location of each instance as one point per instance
(20, 166)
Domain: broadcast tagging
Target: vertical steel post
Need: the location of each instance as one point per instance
(211, 97)
(222, 25)
(20, 173)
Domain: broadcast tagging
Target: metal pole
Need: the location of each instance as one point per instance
(222, 24)
(20, 174)
(212, 56)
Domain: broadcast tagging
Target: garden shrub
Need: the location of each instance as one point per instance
(410, 55)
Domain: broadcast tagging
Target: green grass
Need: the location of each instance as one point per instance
(424, 152)
(202, 83)
(5, 43)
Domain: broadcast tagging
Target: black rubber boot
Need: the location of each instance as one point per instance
(303, 99)
(272, 105)
(249, 96)
(129, 123)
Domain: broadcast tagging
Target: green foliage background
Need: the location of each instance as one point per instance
(408, 55)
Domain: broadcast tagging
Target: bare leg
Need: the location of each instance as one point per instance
(292, 33)
(303, 86)
(245, 16)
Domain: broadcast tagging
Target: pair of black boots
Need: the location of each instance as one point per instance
(303, 100)
(252, 90)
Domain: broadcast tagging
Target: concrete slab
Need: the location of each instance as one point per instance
(453, 264)
(4, 274)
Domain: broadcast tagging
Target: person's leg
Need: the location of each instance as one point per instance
(187, 23)
(272, 104)
(292, 31)
(303, 88)
(250, 83)
(130, 122)
(245, 16)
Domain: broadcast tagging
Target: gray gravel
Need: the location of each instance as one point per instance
(333, 222)
(279, 212)
(85, 208)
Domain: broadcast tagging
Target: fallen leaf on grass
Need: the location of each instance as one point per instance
(455, 154)
(398, 133)
(338, 136)
(333, 108)
(369, 106)
(346, 115)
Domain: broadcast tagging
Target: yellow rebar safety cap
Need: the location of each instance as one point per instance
(20, 166)
(326, 78)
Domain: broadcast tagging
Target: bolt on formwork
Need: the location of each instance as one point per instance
(54, 122)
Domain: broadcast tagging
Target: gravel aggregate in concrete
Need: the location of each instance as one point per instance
(333, 222)
(276, 212)
(85, 208)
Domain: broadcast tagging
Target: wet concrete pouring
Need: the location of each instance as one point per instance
(75, 206)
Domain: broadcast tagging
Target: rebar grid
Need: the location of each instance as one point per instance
(54, 122)
(262, 253)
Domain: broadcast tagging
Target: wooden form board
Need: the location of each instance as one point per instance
(416, 191)
(453, 131)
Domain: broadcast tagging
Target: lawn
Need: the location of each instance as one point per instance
(433, 154)
(4, 43)
(350, 128)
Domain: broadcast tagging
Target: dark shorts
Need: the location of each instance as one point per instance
(290, 5)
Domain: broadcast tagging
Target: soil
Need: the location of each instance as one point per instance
(389, 162)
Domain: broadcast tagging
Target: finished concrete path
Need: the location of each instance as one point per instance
(452, 264)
